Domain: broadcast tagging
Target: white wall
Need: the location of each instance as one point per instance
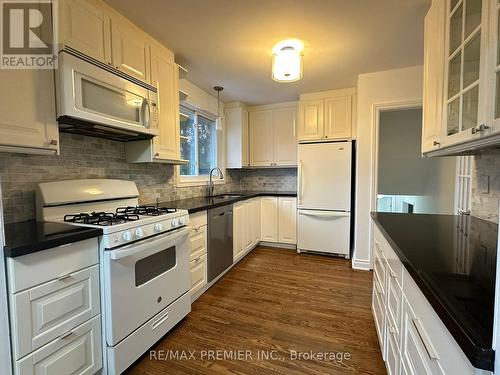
(388, 88)
(5, 358)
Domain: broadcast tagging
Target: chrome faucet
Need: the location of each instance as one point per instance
(211, 186)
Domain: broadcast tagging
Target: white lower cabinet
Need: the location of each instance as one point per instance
(413, 339)
(44, 313)
(55, 310)
(198, 273)
(77, 353)
(279, 220)
(246, 227)
(198, 239)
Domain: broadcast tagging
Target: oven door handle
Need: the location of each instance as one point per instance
(144, 245)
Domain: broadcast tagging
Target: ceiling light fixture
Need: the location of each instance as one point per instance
(287, 61)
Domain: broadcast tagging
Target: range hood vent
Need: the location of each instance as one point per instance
(69, 124)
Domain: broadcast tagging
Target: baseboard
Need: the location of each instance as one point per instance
(361, 264)
(279, 245)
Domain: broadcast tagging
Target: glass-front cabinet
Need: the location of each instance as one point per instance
(466, 36)
(470, 112)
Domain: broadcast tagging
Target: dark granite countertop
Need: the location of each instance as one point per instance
(31, 236)
(453, 261)
(202, 203)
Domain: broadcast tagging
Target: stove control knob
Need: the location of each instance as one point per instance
(126, 236)
(182, 221)
(158, 227)
(139, 233)
(174, 223)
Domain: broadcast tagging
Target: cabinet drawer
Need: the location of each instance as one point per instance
(198, 273)
(418, 351)
(79, 353)
(41, 314)
(379, 313)
(379, 269)
(423, 327)
(198, 219)
(198, 239)
(392, 360)
(33, 269)
(394, 307)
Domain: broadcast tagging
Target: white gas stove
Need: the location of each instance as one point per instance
(144, 255)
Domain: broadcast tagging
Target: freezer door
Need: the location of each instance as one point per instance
(324, 177)
(324, 231)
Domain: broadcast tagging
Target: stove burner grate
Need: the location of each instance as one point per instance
(101, 218)
(147, 210)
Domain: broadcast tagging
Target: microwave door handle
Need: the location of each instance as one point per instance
(146, 113)
(142, 246)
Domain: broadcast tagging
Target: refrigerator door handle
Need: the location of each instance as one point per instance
(324, 213)
(300, 181)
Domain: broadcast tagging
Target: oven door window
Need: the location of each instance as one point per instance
(154, 265)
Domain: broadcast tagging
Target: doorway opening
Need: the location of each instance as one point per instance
(407, 182)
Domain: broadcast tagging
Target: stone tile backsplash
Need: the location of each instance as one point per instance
(486, 185)
(88, 157)
(282, 179)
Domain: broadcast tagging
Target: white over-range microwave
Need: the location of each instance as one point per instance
(98, 100)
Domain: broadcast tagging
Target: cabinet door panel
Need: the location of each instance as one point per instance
(34, 125)
(269, 219)
(238, 228)
(433, 77)
(130, 49)
(86, 28)
(164, 76)
(285, 141)
(256, 221)
(261, 138)
(287, 220)
(198, 273)
(311, 121)
(338, 118)
(248, 213)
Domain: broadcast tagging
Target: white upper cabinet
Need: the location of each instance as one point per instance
(433, 76)
(261, 138)
(27, 111)
(130, 47)
(273, 139)
(236, 123)
(165, 77)
(311, 123)
(468, 117)
(327, 115)
(285, 140)
(85, 27)
(338, 118)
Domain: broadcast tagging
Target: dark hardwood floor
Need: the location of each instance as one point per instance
(275, 301)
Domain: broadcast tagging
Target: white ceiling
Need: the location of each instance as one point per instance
(229, 42)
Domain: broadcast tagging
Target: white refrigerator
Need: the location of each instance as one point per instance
(324, 197)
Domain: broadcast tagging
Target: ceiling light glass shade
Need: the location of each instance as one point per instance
(287, 61)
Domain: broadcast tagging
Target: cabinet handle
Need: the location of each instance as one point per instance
(431, 352)
(326, 137)
(479, 129)
(436, 143)
(157, 154)
(392, 331)
(66, 335)
(64, 277)
(392, 274)
(53, 142)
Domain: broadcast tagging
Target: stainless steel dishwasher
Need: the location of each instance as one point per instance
(220, 240)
